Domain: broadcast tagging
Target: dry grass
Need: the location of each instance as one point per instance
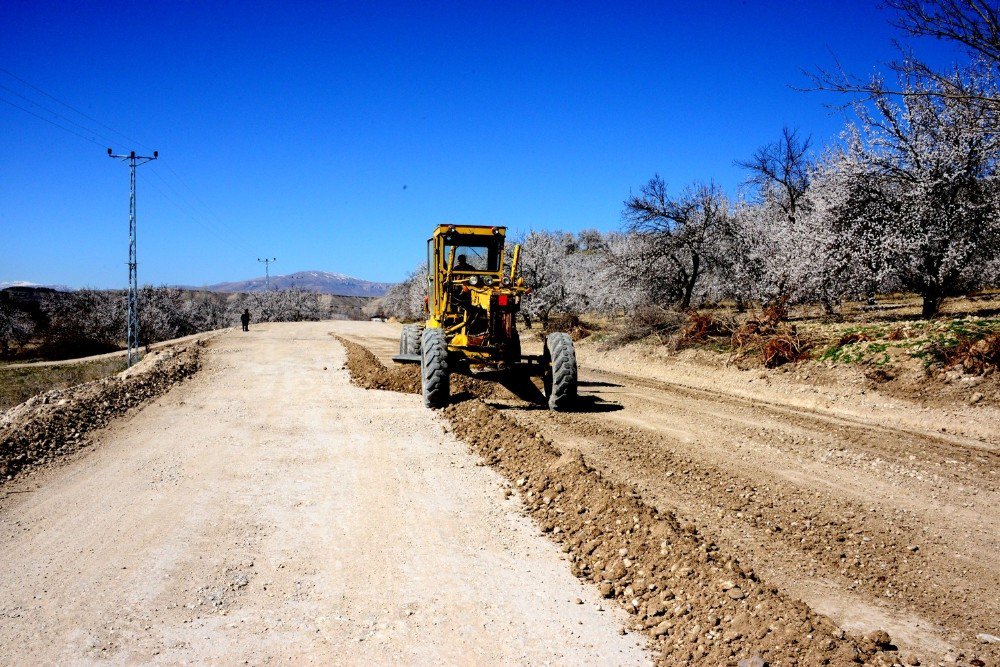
(568, 323)
(701, 327)
(19, 384)
(646, 322)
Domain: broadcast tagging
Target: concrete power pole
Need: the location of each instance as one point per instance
(267, 271)
(132, 325)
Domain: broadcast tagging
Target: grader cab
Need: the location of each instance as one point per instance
(472, 303)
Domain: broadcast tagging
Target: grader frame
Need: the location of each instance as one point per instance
(472, 303)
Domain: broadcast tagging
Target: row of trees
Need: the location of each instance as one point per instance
(90, 321)
(909, 199)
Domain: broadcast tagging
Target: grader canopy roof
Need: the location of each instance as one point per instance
(477, 249)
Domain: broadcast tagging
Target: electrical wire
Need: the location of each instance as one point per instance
(50, 122)
(194, 213)
(199, 214)
(56, 114)
(72, 108)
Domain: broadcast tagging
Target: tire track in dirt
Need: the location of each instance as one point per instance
(941, 459)
(693, 598)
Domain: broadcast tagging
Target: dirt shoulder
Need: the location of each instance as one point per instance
(60, 422)
(268, 510)
(115, 355)
(842, 392)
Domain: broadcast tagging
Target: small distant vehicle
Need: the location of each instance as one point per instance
(472, 303)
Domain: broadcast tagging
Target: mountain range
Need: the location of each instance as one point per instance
(25, 283)
(310, 281)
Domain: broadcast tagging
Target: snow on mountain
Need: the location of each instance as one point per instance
(24, 283)
(310, 281)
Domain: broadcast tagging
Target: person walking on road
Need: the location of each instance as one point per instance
(245, 318)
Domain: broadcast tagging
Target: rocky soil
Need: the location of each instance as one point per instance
(61, 421)
(268, 511)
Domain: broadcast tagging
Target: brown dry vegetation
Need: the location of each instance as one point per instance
(882, 340)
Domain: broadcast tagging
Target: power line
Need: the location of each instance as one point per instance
(202, 210)
(198, 212)
(71, 108)
(196, 219)
(194, 194)
(57, 115)
(51, 122)
(192, 213)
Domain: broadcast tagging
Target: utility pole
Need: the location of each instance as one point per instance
(132, 325)
(267, 271)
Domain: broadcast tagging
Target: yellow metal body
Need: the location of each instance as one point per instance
(471, 296)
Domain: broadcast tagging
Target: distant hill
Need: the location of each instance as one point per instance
(25, 283)
(310, 281)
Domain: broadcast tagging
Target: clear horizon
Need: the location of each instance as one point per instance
(336, 137)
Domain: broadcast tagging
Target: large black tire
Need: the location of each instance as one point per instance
(413, 340)
(435, 382)
(560, 376)
(403, 337)
(409, 339)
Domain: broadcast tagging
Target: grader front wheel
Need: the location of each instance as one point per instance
(435, 382)
(560, 374)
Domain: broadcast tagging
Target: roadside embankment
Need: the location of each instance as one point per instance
(58, 422)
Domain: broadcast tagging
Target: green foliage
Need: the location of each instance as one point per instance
(931, 341)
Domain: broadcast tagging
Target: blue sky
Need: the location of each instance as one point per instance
(335, 135)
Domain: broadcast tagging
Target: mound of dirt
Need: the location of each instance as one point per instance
(368, 372)
(58, 422)
(693, 599)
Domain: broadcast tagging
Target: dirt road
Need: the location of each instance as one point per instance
(876, 512)
(268, 511)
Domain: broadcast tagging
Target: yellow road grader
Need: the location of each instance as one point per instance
(472, 303)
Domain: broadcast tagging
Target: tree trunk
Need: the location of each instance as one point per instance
(931, 304)
(828, 305)
(689, 283)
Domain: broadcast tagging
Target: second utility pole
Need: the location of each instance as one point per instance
(267, 271)
(132, 325)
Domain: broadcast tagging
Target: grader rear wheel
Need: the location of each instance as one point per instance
(409, 339)
(403, 349)
(435, 382)
(560, 376)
